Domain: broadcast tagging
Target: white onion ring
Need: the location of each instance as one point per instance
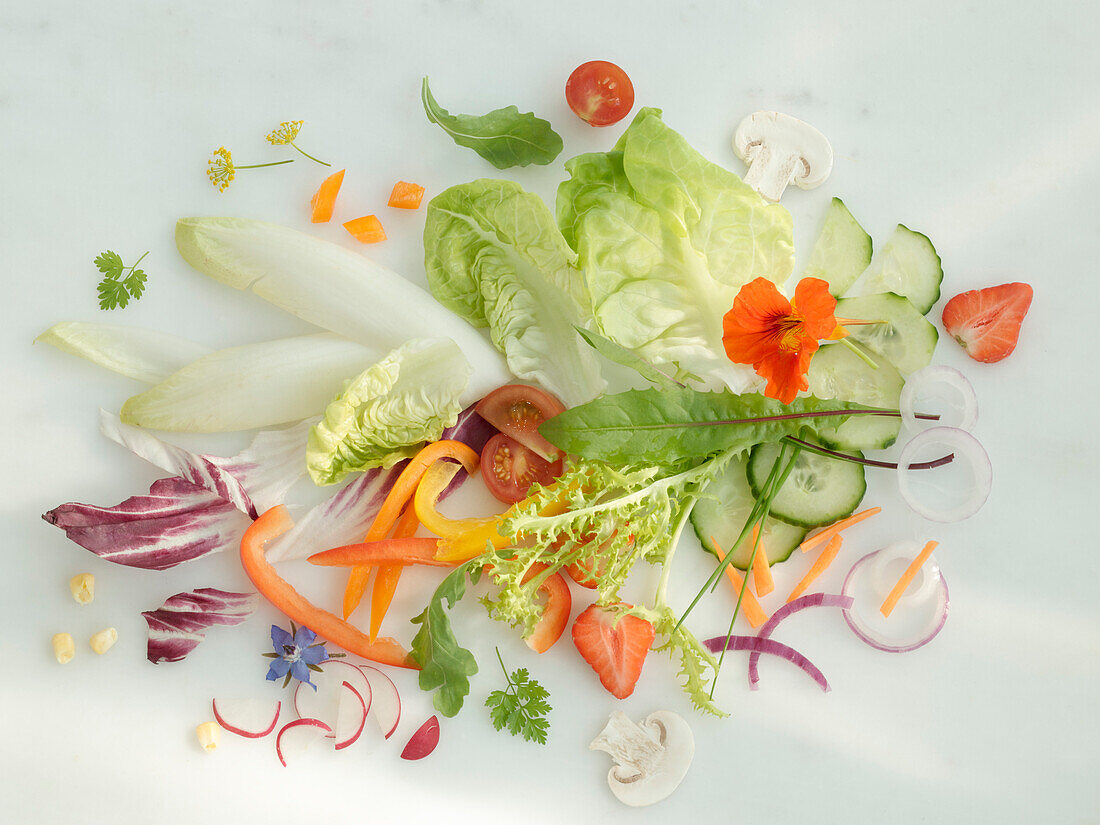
(968, 453)
(945, 385)
(906, 628)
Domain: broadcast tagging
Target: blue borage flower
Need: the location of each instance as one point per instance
(296, 654)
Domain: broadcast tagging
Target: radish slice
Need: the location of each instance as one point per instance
(942, 390)
(324, 702)
(423, 741)
(296, 737)
(801, 603)
(251, 718)
(386, 702)
(760, 645)
(920, 613)
(950, 493)
(351, 716)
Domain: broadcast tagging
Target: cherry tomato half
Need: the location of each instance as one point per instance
(509, 469)
(517, 411)
(599, 93)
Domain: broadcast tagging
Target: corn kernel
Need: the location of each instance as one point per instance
(210, 734)
(82, 586)
(63, 648)
(102, 641)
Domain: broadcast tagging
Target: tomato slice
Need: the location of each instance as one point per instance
(517, 411)
(599, 93)
(509, 468)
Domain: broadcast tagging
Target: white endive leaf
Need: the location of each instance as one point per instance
(143, 354)
(257, 385)
(333, 287)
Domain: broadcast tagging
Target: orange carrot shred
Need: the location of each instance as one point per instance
(406, 195)
(367, 229)
(834, 528)
(907, 578)
(751, 607)
(819, 566)
(761, 569)
(324, 199)
(388, 575)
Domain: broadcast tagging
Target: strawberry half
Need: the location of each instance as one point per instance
(986, 322)
(616, 651)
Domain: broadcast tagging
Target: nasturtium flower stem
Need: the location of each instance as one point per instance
(308, 155)
(859, 353)
(260, 165)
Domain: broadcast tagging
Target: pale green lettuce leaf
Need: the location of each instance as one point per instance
(143, 354)
(495, 257)
(385, 414)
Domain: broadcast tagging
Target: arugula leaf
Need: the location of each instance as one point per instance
(109, 263)
(665, 427)
(521, 707)
(504, 137)
(114, 290)
(444, 664)
(619, 354)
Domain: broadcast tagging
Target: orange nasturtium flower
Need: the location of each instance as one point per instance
(779, 337)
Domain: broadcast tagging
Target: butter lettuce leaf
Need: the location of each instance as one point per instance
(666, 239)
(385, 414)
(495, 257)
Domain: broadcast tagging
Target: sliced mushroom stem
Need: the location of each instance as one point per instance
(781, 150)
(636, 750)
(650, 759)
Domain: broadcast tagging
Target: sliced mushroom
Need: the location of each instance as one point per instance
(650, 759)
(780, 150)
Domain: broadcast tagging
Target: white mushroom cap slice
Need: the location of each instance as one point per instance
(651, 759)
(780, 150)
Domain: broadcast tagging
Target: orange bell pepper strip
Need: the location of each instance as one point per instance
(395, 502)
(367, 229)
(406, 195)
(388, 575)
(555, 613)
(282, 595)
(324, 200)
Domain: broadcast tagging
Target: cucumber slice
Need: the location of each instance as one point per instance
(837, 372)
(818, 491)
(842, 250)
(908, 265)
(722, 511)
(907, 338)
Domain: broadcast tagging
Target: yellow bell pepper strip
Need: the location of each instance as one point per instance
(431, 487)
(395, 502)
(273, 587)
(395, 551)
(388, 575)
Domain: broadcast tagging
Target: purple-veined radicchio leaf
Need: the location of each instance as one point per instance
(177, 627)
(178, 521)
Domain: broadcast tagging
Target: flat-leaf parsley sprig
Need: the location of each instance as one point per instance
(522, 706)
(120, 282)
(221, 169)
(285, 134)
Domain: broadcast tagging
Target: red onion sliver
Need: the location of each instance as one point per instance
(872, 599)
(939, 389)
(802, 602)
(969, 456)
(759, 645)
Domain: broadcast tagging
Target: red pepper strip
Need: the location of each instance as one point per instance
(399, 496)
(388, 575)
(555, 613)
(387, 551)
(296, 607)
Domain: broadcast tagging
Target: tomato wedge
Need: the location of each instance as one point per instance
(517, 411)
(599, 93)
(509, 469)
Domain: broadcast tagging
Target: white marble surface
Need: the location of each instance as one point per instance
(975, 123)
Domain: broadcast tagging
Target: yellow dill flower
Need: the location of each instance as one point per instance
(285, 135)
(221, 169)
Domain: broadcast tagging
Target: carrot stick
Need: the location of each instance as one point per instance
(761, 568)
(398, 497)
(834, 528)
(752, 609)
(324, 201)
(388, 575)
(819, 566)
(907, 578)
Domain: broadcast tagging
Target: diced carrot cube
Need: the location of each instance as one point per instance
(324, 199)
(367, 229)
(406, 195)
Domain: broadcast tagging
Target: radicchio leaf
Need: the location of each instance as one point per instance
(176, 627)
(178, 521)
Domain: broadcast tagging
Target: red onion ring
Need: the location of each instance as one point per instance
(801, 603)
(969, 454)
(860, 586)
(936, 387)
(758, 645)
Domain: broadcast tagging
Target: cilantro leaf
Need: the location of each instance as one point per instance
(109, 263)
(116, 291)
(521, 707)
(135, 282)
(112, 294)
